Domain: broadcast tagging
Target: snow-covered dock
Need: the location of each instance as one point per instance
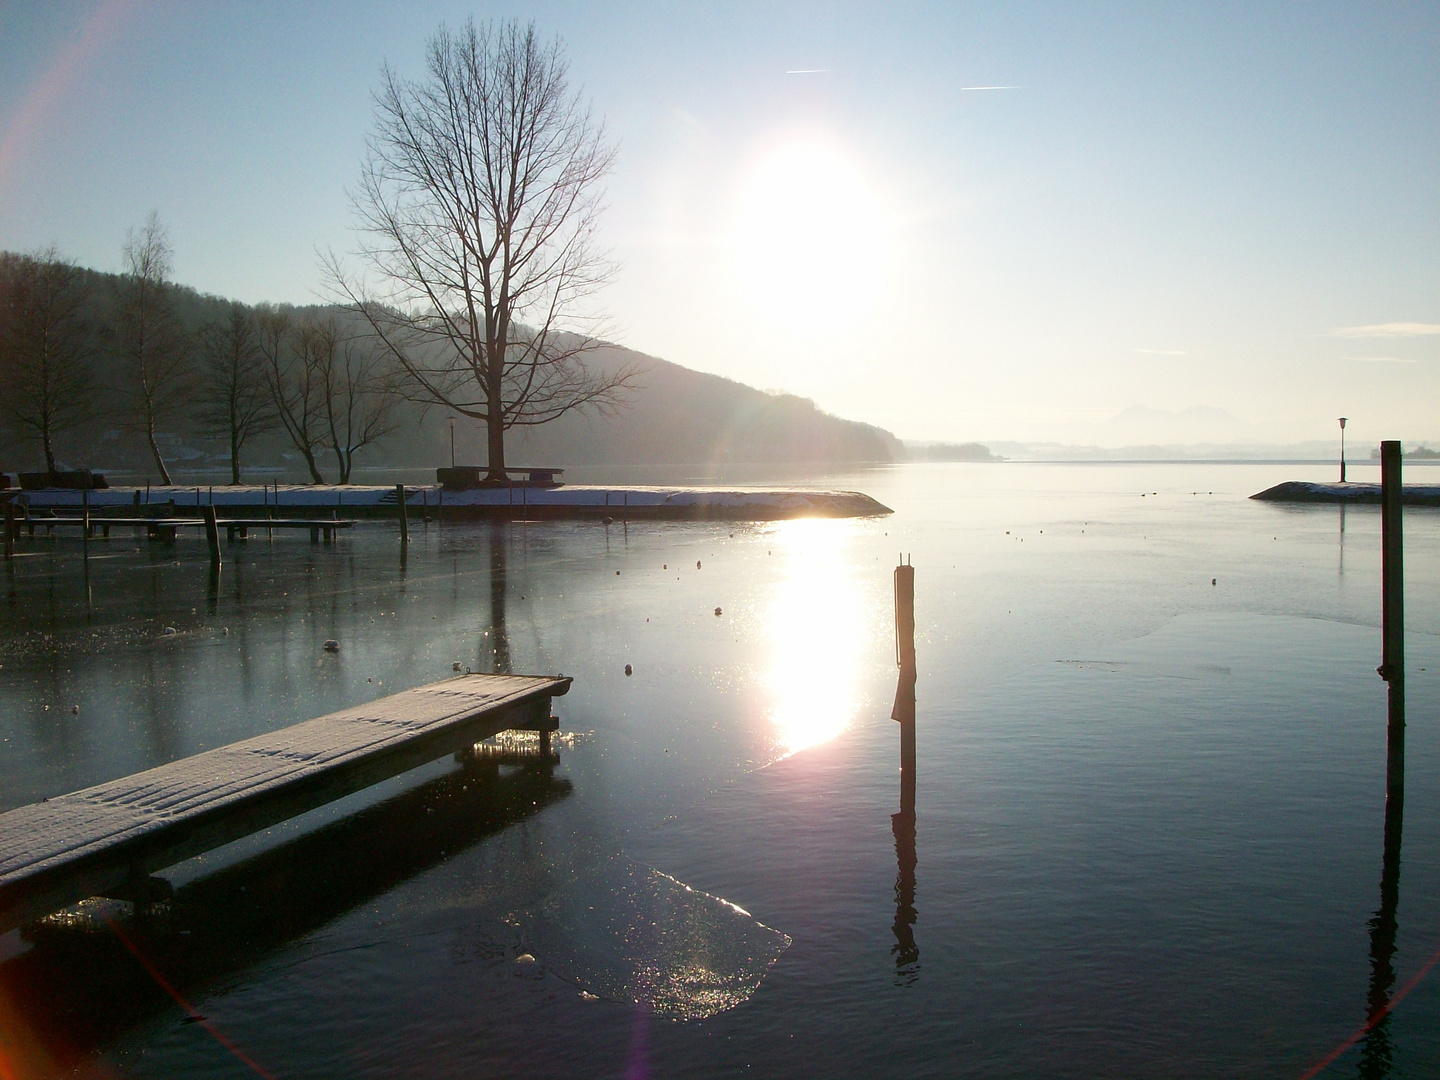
(567, 502)
(107, 839)
(1309, 492)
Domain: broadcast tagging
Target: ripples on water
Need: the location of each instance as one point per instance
(1147, 838)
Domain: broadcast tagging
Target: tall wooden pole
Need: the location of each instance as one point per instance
(904, 710)
(1392, 665)
(404, 514)
(212, 533)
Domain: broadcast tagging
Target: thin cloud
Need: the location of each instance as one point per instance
(1163, 352)
(992, 88)
(1388, 330)
(1381, 359)
(808, 71)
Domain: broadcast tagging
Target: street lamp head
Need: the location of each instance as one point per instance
(1342, 422)
(452, 423)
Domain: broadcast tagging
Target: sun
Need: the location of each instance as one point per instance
(810, 235)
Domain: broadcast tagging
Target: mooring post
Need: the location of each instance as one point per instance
(904, 710)
(1392, 664)
(212, 533)
(404, 516)
(9, 530)
(85, 520)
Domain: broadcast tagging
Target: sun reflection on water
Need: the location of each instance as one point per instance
(817, 626)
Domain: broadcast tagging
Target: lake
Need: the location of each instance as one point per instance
(1148, 836)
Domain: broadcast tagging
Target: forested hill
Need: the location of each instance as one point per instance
(674, 416)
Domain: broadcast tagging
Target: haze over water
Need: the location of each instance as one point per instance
(1148, 826)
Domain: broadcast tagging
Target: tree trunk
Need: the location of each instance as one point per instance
(234, 458)
(49, 452)
(159, 461)
(495, 424)
(346, 460)
(315, 476)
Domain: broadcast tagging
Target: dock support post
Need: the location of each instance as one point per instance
(212, 533)
(9, 530)
(404, 514)
(1392, 665)
(85, 521)
(904, 710)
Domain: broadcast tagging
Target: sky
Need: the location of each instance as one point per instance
(1084, 223)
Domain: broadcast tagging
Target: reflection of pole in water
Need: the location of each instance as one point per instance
(499, 639)
(905, 951)
(1376, 1054)
(1342, 539)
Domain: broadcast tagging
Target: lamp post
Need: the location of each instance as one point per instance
(1342, 448)
(452, 448)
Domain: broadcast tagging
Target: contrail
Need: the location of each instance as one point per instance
(992, 88)
(808, 71)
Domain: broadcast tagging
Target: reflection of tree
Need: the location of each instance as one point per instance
(499, 647)
(1376, 1052)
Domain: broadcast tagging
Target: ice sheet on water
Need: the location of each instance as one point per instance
(628, 932)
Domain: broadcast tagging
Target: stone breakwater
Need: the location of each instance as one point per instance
(1305, 491)
(579, 502)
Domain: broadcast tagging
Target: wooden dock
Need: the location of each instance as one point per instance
(106, 840)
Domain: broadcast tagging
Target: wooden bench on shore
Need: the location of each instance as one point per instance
(108, 839)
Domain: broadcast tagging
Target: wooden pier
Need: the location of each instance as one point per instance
(107, 840)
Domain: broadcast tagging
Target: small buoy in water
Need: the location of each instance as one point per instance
(331, 645)
(455, 666)
(1212, 581)
(664, 566)
(629, 670)
(697, 564)
(168, 631)
(617, 573)
(717, 611)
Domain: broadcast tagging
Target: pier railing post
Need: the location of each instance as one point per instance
(404, 514)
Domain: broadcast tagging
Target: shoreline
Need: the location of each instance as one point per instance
(1307, 491)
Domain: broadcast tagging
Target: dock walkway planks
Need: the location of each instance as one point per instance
(106, 838)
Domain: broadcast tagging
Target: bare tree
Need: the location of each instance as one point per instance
(478, 205)
(154, 352)
(359, 399)
(235, 403)
(47, 348)
(294, 382)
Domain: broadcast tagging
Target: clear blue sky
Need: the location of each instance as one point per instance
(1175, 205)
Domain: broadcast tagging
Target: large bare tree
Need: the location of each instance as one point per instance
(235, 403)
(477, 207)
(47, 348)
(154, 352)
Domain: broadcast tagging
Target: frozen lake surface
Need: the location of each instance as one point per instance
(1148, 834)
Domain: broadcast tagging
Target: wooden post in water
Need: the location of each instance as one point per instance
(1392, 664)
(212, 533)
(404, 521)
(904, 710)
(9, 530)
(85, 521)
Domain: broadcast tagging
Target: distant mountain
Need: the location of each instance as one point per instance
(675, 416)
(680, 416)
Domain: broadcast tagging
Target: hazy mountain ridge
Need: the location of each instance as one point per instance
(675, 416)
